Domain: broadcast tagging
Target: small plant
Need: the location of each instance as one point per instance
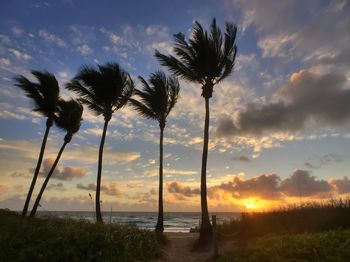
(291, 219)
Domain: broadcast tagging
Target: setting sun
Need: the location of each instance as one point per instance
(250, 204)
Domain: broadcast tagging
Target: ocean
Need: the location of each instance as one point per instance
(173, 221)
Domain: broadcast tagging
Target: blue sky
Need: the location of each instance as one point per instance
(279, 122)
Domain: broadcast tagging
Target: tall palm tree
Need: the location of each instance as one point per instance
(45, 95)
(104, 90)
(156, 101)
(206, 58)
(68, 118)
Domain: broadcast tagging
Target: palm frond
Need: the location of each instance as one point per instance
(104, 89)
(157, 97)
(44, 93)
(142, 109)
(206, 58)
(69, 116)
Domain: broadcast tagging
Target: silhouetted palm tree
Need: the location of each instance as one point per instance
(156, 101)
(45, 95)
(104, 90)
(68, 118)
(207, 58)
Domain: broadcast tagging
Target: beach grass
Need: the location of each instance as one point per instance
(54, 239)
(331, 245)
(293, 219)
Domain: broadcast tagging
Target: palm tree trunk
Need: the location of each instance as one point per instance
(38, 198)
(160, 222)
(37, 169)
(99, 173)
(205, 229)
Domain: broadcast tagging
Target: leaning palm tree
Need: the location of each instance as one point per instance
(68, 118)
(156, 101)
(207, 58)
(45, 95)
(104, 90)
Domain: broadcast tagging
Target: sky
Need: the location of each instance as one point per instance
(279, 127)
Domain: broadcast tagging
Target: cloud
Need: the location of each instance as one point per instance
(342, 186)
(84, 49)
(242, 158)
(89, 155)
(17, 31)
(3, 189)
(58, 187)
(5, 61)
(19, 188)
(51, 38)
(157, 30)
(16, 174)
(325, 160)
(331, 158)
(296, 107)
(113, 37)
(168, 171)
(110, 189)
(264, 186)
(177, 188)
(19, 55)
(67, 173)
(82, 34)
(257, 13)
(85, 154)
(309, 165)
(301, 183)
(276, 45)
(96, 131)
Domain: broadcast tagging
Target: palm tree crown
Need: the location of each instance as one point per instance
(104, 89)
(44, 93)
(157, 98)
(206, 58)
(69, 117)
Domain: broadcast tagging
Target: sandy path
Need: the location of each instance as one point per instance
(179, 249)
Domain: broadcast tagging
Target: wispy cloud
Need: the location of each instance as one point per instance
(52, 38)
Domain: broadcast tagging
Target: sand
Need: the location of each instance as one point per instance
(180, 246)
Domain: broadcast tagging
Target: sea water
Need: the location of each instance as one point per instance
(173, 221)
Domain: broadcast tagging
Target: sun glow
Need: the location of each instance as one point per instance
(250, 204)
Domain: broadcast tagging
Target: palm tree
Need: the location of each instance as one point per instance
(68, 118)
(45, 95)
(104, 90)
(156, 101)
(206, 58)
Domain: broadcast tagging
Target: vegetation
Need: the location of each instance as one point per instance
(104, 90)
(205, 59)
(293, 219)
(156, 101)
(323, 246)
(45, 95)
(68, 118)
(71, 240)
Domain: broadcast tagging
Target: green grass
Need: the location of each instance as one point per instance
(323, 246)
(72, 240)
(296, 219)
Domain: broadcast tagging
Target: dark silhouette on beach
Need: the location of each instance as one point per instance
(156, 100)
(45, 95)
(207, 59)
(104, 90)
(68, 118)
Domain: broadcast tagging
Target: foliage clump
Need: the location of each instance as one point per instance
(72, 240)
